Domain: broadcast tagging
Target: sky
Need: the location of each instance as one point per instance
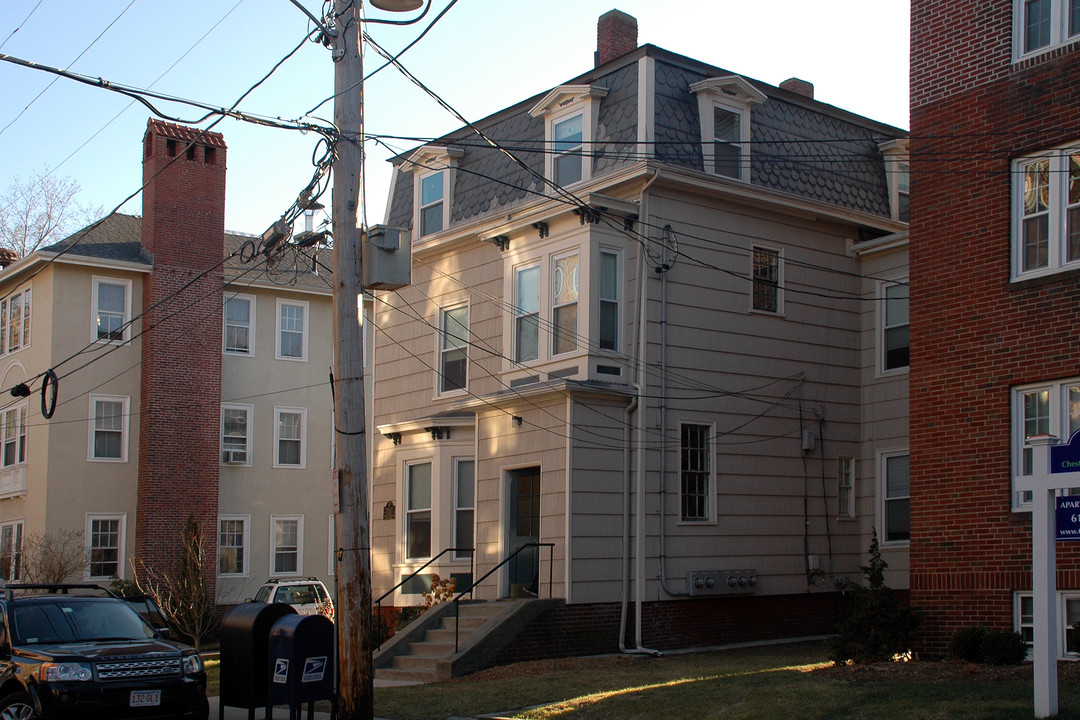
(482, 56)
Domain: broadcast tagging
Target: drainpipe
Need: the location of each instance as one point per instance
(630, 409)
(665, 265)
(641, 411)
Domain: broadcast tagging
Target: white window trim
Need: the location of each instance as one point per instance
(882, 371)
(455, 508)
(1059, 30)
(780, 279)
(299, 545)
(1062, 622)
(18, 527)
(246, 555)
(125, 434)
(1058, 425)
(441, 350)
(121, 560)
(303, 437)
(434, 528)
(281, 302)
(250, 352)
(1057, 219)
(98, 281)
(25, 293)
(580, 320)
(897, 164)
(21, 430)
(424, 162)
(711, 492)
(734, 94)
(883, 458)
(561, 104)
(248, 439)
(594, 292)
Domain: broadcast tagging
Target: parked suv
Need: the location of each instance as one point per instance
(308, 596)
(78, 651)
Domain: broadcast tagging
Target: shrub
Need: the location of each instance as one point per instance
(1001, 647)
(967, 643)
(879, 627)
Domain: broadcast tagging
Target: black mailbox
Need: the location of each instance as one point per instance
(245, 652)
(301, 665)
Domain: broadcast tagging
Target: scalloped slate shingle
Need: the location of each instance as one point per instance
(814, 154)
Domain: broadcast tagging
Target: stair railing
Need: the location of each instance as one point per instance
(511, 557)
(414, 573)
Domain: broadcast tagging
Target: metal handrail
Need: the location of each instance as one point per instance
(511, 556)
(388, 593)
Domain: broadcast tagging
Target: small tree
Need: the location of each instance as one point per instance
(53, 557)
(41, 210)
(879, 626)
(183, 595)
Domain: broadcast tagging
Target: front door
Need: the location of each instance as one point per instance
(524, 529)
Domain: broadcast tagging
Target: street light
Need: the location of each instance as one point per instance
(397, 5)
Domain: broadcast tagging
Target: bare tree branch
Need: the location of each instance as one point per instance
(41, 210)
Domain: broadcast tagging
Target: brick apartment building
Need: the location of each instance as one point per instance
(994, 262)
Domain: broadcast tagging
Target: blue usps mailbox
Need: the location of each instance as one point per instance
(301, 667)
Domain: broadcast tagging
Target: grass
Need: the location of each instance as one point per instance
(765, 683)
(772, 683)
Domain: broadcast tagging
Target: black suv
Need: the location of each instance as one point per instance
(78, 651)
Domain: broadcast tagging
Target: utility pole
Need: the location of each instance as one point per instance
(353, 534)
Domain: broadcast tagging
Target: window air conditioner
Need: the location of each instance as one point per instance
(234, 457)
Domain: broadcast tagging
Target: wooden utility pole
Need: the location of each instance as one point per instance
(353, 528)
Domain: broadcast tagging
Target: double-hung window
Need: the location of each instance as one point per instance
(15, 321)
(13, 435)
(239, 325)
(418, 511)
(767, 278)
(233, 544)
(527, 313)
(236, 434)
(112, 310)
(608, 337)
(895, 344)
(1044, 24)
(1050, 408)
(569, 141)
(564, 294)
(287, 544)
(290, 437)
(11, 548)
(108, 428)
(724, 105)
(105, 546)
(696, 472)
(464, 506)
(292, 336)
(453, 349)
(431, 203)
(896, 497)
(845, 488)
(1046, 209)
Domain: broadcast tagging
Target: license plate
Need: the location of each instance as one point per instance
(145, 698)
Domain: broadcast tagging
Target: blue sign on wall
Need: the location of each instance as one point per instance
(1068, 517)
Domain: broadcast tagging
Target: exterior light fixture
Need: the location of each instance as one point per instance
(398, 5)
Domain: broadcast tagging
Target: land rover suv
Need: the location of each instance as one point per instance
(78, 651)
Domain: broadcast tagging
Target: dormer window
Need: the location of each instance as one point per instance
(433, 171)
(569, 113)
(724, 105)
(897, 176)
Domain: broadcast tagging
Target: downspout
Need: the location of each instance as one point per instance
(663, 271)
(630, 409)
(640, 409)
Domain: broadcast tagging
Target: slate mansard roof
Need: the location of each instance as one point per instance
(118, 238)
(798, 145)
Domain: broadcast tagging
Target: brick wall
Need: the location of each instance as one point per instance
(975, 335)
(616, 35)
(183, 231)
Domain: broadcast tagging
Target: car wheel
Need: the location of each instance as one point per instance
(17, 706)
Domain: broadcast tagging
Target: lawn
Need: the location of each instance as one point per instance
(787, 682)
(779, 682)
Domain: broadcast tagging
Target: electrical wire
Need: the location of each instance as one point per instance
(20, 25)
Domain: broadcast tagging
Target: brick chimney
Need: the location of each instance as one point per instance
(799, 87)
(183, 231)
(616, 35)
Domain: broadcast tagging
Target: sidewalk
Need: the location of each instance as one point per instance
(281, 712)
